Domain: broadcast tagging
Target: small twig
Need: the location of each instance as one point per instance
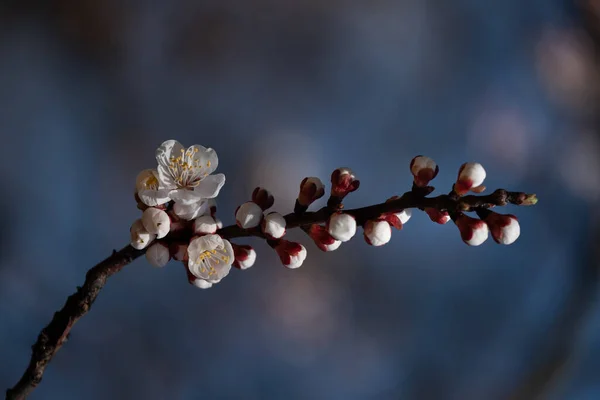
(53, 336)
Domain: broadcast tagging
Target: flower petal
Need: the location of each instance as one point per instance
(154, 198)
(206, 157)
(169, 148)
(185, 196)
(190, 211)
(165, 179)
(209, 187)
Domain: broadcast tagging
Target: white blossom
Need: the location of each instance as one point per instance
(342, 226)
(140, 237)
(156, 222)
(473, 231)
(470, 178)
(158, 254)
(377, 233)
(204, 225)
(186, 173)
(424, 169)
(273, 225)
(210, 257)
(505, 228)
(248, 215)
(147, 188)
(292, 254)
(245, 256)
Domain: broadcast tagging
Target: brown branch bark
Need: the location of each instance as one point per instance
(53, 336)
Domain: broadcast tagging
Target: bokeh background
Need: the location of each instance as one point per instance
(283, 90)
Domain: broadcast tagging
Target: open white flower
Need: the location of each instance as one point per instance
(156, 222)
(148, 190)
(210, 257)
(186, 173)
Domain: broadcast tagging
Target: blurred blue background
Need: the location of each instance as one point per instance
(283, 90)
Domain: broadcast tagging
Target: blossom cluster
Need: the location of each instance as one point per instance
(179, 214)
(177, 199)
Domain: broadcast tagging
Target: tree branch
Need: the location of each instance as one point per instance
(53, 336)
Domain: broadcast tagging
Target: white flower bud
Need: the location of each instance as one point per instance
(473, 231)
(273, 225)
(245, 256)
(470, 177)
(404, 215)
(424, 169)
(205, 225)
(140, 238)
(296, 260)
(219, 223)
(377, 233)
(156, 222)
(248, 215)
(505, 228)
(342, 226)
(158, 255)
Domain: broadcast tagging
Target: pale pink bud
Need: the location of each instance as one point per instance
(470, 178)
(505, 228)
(140, 237)
(377, 233)
(205, 225)
(473, 231)
(158, 255)
(248, 215)
(245, 256)
(343, 182)
(322, 238)
(292, 254)
(424, 169)
(156, 222)
(341, 226)
(263, 198)
(179, 251)
(437, 216)
(311, 189)
(273, 225)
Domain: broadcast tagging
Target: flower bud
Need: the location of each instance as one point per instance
(190, 211)
(399, 218)
(218, 222)
(273, 225)
(424, 169)
(437, 216)
(524, 199)
(205, 225)
(505, 228)
(248, 215)
(470, 177)
(179, 251)
(292, 254)
(343, 182)
(473, 231)
(156, 222)
(140, 238)
(311, 189)
(202, 284)
(263, 198)
(322, 238)
(245, 256)
(341, 226)
(158, 255)
(377, 233)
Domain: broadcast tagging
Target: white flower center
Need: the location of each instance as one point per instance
(186, 169)
(210, 258)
